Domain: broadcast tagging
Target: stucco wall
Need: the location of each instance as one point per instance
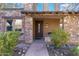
(50, 25)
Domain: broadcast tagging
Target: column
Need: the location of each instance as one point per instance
(34, 7)
(71, 26)
(56, 7)
(45, 8)
(28, 29)
(28, 7)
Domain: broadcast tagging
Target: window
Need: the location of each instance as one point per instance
(51, 7)
(39, 28)
(39, 7)
(18, 25)
(9, 25)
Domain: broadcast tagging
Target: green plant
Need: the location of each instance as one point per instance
(2, 37)
(59, 37)
(8, 41)
(75, 51)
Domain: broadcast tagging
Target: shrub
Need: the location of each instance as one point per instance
(75, 51)
(8, 41)
(59, 37)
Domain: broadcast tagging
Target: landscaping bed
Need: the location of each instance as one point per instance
(57, 44)
(21, 49)
(10, 45)
(62, 51)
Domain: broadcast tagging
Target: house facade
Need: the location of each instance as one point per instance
(36, 20)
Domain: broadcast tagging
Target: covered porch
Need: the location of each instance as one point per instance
(39, 24)
(42, 26)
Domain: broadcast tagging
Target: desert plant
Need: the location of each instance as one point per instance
(59, 37)
(2, 37)
(8, 42)
(75, 51)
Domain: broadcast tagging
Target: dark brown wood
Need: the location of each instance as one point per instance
(46, 12)
(56, 13)
(13, 17)
(38, 34)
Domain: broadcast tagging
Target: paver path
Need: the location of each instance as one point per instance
(38, 48)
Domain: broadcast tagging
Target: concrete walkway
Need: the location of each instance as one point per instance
(38, 48)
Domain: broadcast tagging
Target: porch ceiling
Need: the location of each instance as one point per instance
(47, 14)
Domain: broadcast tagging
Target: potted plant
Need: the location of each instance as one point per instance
(59, 37)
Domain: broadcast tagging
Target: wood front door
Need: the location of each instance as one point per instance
(38, 29)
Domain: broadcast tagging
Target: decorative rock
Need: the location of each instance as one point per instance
(19, 52)
(21, 49)
(62, 54)
(63, 51)
(22, 54)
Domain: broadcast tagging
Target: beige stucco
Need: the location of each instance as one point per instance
(49, 25)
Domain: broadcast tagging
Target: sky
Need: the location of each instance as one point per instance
(51, 7)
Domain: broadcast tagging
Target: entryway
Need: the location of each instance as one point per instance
(43, 26)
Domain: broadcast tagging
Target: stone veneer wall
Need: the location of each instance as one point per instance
(28, 7)
(71, 25)
(28, 29)
(2, 25)
(6, 14)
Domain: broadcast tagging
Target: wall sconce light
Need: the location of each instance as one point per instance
(61, 25)
(46, 25)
